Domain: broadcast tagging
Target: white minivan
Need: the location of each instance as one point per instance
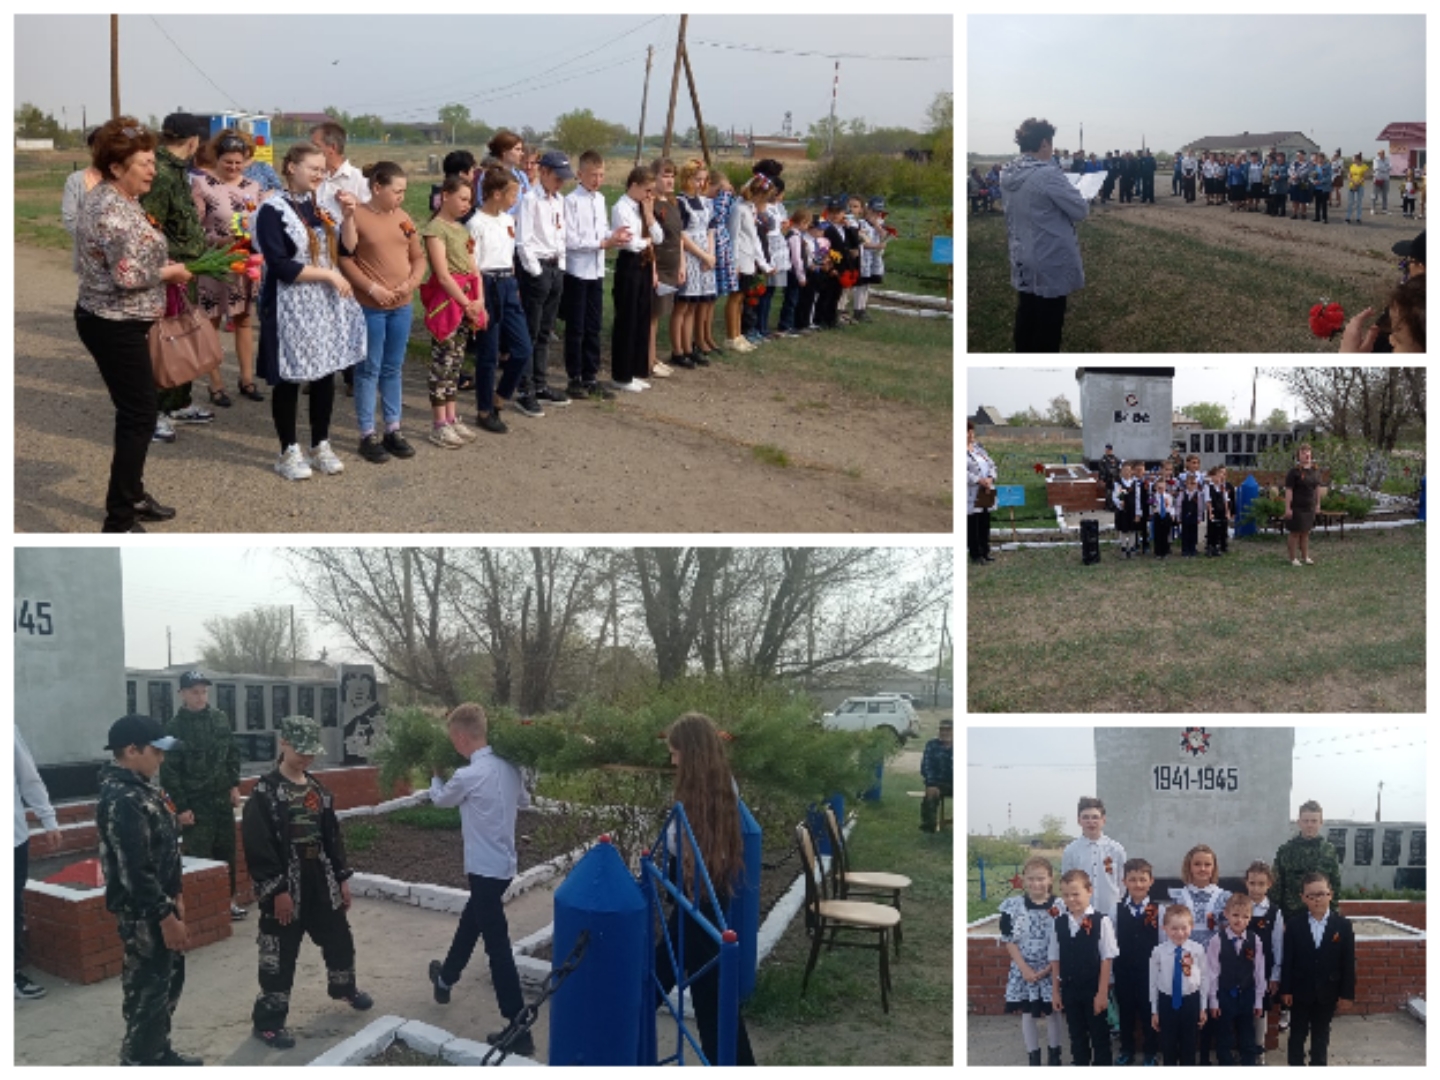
(866, 713)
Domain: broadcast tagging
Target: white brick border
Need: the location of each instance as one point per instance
(380, 1034)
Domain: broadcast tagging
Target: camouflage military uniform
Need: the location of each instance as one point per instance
(199, 777)
(1296, 858)
(293, 845)
(140, 852)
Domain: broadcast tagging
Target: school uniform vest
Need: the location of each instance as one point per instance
(1190, 507)
(1219, 508)
(1134, 938)
(1237, 973)
(1263, 927)
(1079, 955)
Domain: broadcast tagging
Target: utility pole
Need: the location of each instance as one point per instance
(292, 641)
(644, 102)
(1082, 138)
(114, 67)
(940, 660)
(1254, 389)
(1378, 790)
(695, 101)
(169, 655)
(675, 86)
(834, 92)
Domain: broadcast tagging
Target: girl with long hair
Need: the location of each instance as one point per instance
(707, 791)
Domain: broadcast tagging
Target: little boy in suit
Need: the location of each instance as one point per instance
(1179, 986)
(1082, 946)
(1319, 970)
(1137, 931)
(1268, 924)
(1237, 981)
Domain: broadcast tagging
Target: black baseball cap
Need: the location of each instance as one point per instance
(558, 163)
(1109, 446)
(1413, 250)
(193, 678)
(182, 125)
(139, 730)
(877, 203)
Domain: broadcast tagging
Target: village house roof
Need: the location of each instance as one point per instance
(1403, 129)
(1259, 140)
(988, 414)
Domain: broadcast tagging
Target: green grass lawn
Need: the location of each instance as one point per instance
(1152, 290)
(1346, 635)
(839, 1021)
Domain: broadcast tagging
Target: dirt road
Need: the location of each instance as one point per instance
(680, 458)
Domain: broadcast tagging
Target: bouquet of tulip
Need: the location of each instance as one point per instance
(224, 260)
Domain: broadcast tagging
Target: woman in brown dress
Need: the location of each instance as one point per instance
(1302, 498)
(221, 191)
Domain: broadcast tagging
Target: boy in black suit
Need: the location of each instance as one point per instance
(1082, 947)
(1137, 933)
(1318, 971)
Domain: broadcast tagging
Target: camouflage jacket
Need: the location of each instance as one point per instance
(274, 862)
(170, 202)
(203, 770)
(1296, 858)
(139, 845)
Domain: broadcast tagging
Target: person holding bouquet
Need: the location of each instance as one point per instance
(311, 326)
(123, 269)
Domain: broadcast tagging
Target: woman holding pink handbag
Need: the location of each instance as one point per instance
(123, 268)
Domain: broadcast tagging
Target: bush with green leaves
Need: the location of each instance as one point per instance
(1354, 507)
(995, 850)
(1261, 510)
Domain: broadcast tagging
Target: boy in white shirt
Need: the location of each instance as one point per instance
(1082, 947)
(1179, 987)
(1102, 858)
(542, 269)
(587, 237)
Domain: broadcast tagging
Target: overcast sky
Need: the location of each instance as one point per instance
(1177, 78)
(1012, 783)
(1012, 390)
(406, 67)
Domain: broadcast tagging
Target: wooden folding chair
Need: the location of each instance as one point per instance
(845, 882)
(851, 916)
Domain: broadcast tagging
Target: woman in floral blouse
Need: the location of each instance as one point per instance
(123, 269)
(221, 191)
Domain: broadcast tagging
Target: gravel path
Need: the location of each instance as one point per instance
(677, 459)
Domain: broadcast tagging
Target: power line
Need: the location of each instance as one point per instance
(824, 55)
(192, 63)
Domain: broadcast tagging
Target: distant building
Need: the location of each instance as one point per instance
(1288, 142)
(1407, 145)
(1181, 424)
(988, 416)
(779, 147)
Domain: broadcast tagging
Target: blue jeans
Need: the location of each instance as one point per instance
(1356, 205)
(386, 334)
(762, 310)
(506, 328)
(788, 305)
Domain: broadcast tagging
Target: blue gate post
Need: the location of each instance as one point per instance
(596, 1014)
(982, 877)
(872, 793)
(727, 1022)
(1248, 493)
(744, 913)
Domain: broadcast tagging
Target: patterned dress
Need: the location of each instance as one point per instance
(1026, 925)
(699, 281)
(1207, 905)
(727, 280)
(216, 202)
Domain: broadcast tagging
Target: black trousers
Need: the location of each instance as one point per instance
(1309, 1019)
(121, 349)
(1179, 1028)
(280, 947)
(285, 410)
(827, 301)
(805, 306)
(540, 297)
(150, 983)
(705, 991)
(584, 304)
(1132, 1001)
(1147, 188)
(1188, 183)
(1322, 206)
(484, 918)
(1162, 535)
(977, 534)
(22, 873)
(1235, 1030)
(1089, 1033)
(1039, 323)
(1189, 534)
(1214, 535)
(630, 336)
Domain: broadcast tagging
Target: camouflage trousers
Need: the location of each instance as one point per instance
(280, 948)
(150, 981)
(213, 835)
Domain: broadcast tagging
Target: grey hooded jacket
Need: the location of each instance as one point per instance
(1041, 208)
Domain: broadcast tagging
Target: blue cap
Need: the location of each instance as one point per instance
(557, 163)
(877, 204)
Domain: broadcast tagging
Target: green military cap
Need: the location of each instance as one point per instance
(303, 734)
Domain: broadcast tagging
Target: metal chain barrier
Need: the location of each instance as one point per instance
(778, 863)
(527, 1016)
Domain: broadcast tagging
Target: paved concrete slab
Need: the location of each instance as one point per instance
(1381, 1039)
(81, 1025)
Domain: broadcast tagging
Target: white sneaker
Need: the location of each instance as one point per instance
(324, 459)
(640, 384)
(191, 414)
(739, 344)
(1296, 562)
(1309, 562)
(292, 464)
(164, 431)
(661, 370)
(445, 438)
(463, 432)
(634, 386)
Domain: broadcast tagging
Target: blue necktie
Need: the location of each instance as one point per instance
(1177, 981)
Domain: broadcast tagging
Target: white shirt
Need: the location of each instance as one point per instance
(1091, 856)
(628, 215)
(584, 231)
(489, 794)
(1226, 940)
(1381, 167)
(29, 791)
(542, 229)
(346, 178)
(1162, 975)
(494, 237)
(1108, 949)
(1317, 929)
(1187, 165)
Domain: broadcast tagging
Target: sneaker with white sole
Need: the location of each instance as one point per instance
(661, 370)
(25, 990)
(446, 439)
(465, 434)
(191, 414)
(324, 459)
(640, 384)
(631, 387)
(292, 464)
(164, 432)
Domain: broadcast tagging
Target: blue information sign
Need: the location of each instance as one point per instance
(1009, 495)
(942, 250)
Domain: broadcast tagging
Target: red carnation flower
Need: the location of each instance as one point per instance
(1336, 937)
(1327, 320)
(1085, 924)
(1054, 912)
(1210, 920)
(1039, 468)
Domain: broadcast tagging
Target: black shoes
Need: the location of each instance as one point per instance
(527, 406)
(442, 993)
(170, 1057)
(524, 1045)
(682, 361)
(576, 389)
(396, 445)
(699, 359)
(554, 397)
(359, 1001)
(147, 509)
(372, 449)
(491, 422)
(595, 392)
(276, 1040)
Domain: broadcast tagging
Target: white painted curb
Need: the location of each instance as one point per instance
(374, 1038)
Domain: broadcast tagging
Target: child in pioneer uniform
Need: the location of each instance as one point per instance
(1081, 948)
(1319, 971)
(1206, 900)
(1142, 507)
(1269, 927)
(1219, 515)
(1162, 506)
(1026, 923)
(1191, 512)
(1123, 497)
(1138, 922)
(1179, 987)
(1237, 982)
(297, 862)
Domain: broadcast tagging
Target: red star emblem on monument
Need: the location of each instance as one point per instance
(1196, 740)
